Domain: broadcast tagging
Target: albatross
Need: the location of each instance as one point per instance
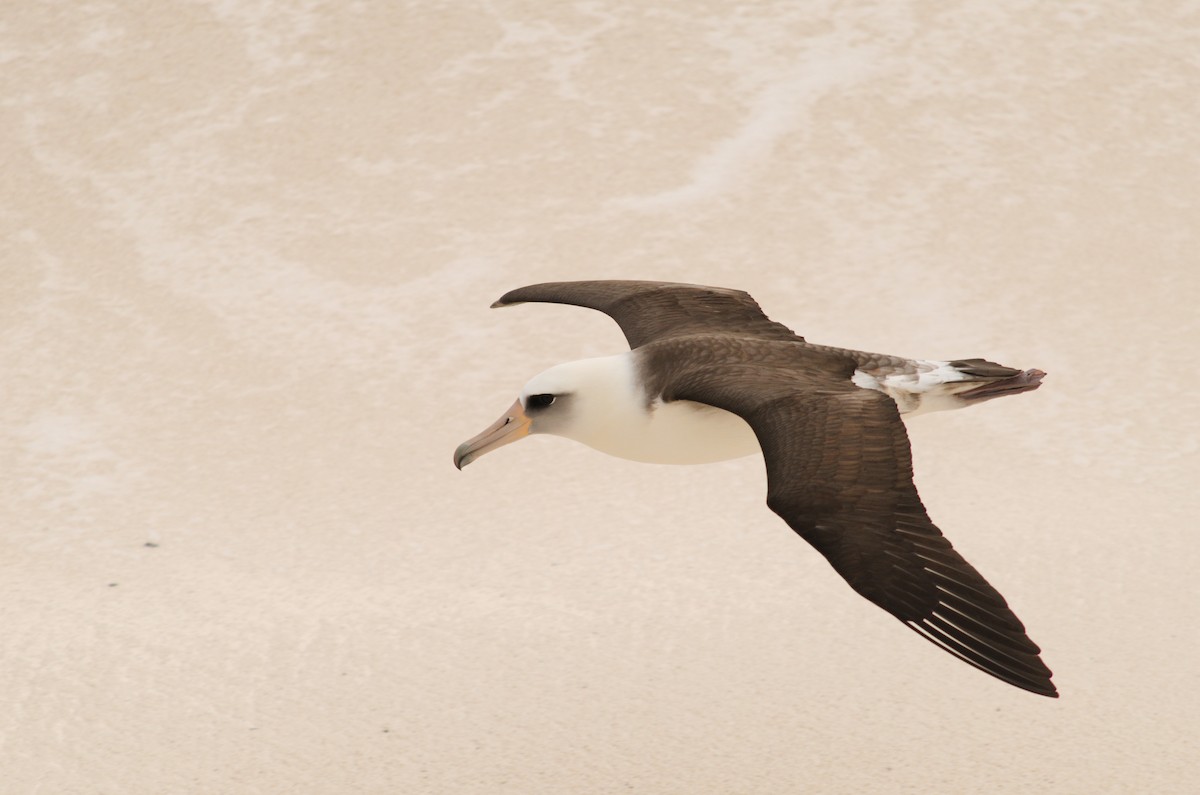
(710, 377)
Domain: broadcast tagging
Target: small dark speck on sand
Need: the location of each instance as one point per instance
(112, 585)
(151, 544)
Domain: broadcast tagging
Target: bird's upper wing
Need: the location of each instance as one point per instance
(652, 311)
(839, 472)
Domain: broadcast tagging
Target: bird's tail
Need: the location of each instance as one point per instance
(920, 386)
(994, 380)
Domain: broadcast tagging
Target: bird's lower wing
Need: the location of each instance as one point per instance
(900, 561)
(839, 472)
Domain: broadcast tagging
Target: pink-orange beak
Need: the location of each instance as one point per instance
(512, 426)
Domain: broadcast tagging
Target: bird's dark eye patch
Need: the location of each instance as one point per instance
(539, 401)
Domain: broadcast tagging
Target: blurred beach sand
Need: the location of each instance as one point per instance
(248, 255)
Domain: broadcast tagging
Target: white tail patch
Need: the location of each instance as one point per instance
(923, 387)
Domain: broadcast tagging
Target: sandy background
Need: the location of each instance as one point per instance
(248, 250)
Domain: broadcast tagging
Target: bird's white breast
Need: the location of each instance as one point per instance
(683, 432)
(610, 412)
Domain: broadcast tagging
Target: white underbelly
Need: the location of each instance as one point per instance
(682, 432)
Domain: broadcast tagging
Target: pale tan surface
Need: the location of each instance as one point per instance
(248, 253)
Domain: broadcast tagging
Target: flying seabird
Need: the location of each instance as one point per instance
(709, 377)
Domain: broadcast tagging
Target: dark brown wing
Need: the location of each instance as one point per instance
(651, 311)
(839, 472)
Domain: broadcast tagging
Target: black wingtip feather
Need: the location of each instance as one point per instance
(1038, 681)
